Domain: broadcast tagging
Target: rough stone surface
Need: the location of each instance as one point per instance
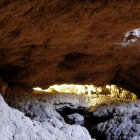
(124, 123)
(59, 41)
(44, 124)
(76, 118)
(56, 100)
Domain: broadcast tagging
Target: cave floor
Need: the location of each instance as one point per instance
(66, 104)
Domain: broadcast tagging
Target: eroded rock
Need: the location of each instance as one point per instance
(75, 118)
(44, 124)
(124, 123)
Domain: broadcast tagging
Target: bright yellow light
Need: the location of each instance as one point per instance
(107, 86)
(38, 89)
(90, 91)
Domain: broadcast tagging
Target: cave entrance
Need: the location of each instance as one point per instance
(96, 98)
(95, 95)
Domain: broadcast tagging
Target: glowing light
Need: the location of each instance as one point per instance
(107, 86)
(38, 89)
(91, 91)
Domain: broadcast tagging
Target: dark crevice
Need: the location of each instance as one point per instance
(90, 122)
(125, 83)
(70, 61)
(9, 72)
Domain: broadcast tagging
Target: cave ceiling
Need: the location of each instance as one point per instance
(69, 41)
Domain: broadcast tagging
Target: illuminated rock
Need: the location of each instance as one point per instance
(14, 124)
(124, 123)
(75, 118)
(131, 37)
(91, 91)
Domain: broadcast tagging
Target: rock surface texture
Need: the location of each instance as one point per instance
(124, 123)
(47, 42)
(44, 123)
(111, 121)
(75, 118)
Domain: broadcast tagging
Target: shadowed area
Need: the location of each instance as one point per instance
(55, 42)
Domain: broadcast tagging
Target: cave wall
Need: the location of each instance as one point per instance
(69, 41)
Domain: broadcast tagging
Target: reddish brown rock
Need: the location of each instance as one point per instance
(69, 41)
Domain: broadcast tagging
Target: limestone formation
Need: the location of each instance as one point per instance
(124, 123)
(46, 124)
(75, 118)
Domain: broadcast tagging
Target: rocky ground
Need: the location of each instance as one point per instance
(52, 112)
(124, 123)
(39, 120)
